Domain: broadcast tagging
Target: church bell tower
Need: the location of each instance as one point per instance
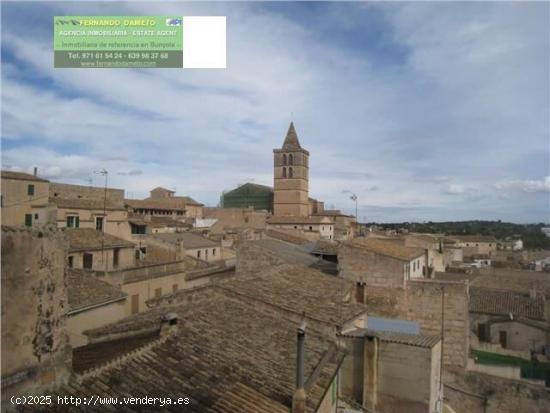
(291, 177)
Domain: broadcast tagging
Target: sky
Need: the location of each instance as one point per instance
(426, 111)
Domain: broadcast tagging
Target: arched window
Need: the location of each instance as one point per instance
(290, 160)
(284, 159)
(290, 172)
(284, 172)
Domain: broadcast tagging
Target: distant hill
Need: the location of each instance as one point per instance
(531, 234)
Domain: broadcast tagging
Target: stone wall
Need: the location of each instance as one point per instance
(481, 393)
(67, 191)
(391, 377)
(404, 372)
(421, 301)
(367, 267)
(35, 347)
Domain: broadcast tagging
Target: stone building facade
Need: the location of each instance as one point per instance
(291, 177)
(79, 206)
(24, 199)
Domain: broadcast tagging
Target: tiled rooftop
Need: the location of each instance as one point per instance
(188, 239)
(300, 220)
(85, 290)
(473, 238)
(290, 253)
(156, 203)
(299, 289)
(388, 248)
(21, 176)
(512, 280)
(81, 239)
(496, 302)
(288, 235)
(221, 356)
(417, 340)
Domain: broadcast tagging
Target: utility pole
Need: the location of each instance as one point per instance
(105, 173)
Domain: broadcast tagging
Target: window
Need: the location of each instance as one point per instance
(290, 173)
(116, 253)
(174, 288)
(310, 228)
(2, 201)
(135, 303)
(213, 252)
(284, 172)
(99, 223)
(198, 254)
(71, 261)
(158, 292)
(490, 244)
(73, 221)
(482, 332)
(87, 261)
(30, 189)
(290, 160)
(28, 220)
(284, 159)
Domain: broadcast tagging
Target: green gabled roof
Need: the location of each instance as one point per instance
(250, 188)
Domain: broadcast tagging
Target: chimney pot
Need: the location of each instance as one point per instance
(168, 324)
(35, 172)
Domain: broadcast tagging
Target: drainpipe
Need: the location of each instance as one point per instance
(299, 399)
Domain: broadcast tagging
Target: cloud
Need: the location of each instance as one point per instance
(133, 172)
(399, 98)
(525, 185)
(454, 189)
(441, 179)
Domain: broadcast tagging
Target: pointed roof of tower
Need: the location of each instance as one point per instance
(291, 140)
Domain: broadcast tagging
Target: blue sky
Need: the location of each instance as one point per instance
(427, 111)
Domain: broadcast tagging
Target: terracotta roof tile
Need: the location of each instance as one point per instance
(188, 239)
(219, 356)
(21, 176)
(90, 239)
(300, 220)
(85, 290)
(388, 248)
(497, 302)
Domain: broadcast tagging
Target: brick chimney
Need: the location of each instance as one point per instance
(299, 398)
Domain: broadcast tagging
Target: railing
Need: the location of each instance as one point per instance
(133, 274)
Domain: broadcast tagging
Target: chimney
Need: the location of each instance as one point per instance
(35, 172)
(299, 398)
(168, 324)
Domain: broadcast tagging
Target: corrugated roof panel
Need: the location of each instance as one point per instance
(392, 325)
